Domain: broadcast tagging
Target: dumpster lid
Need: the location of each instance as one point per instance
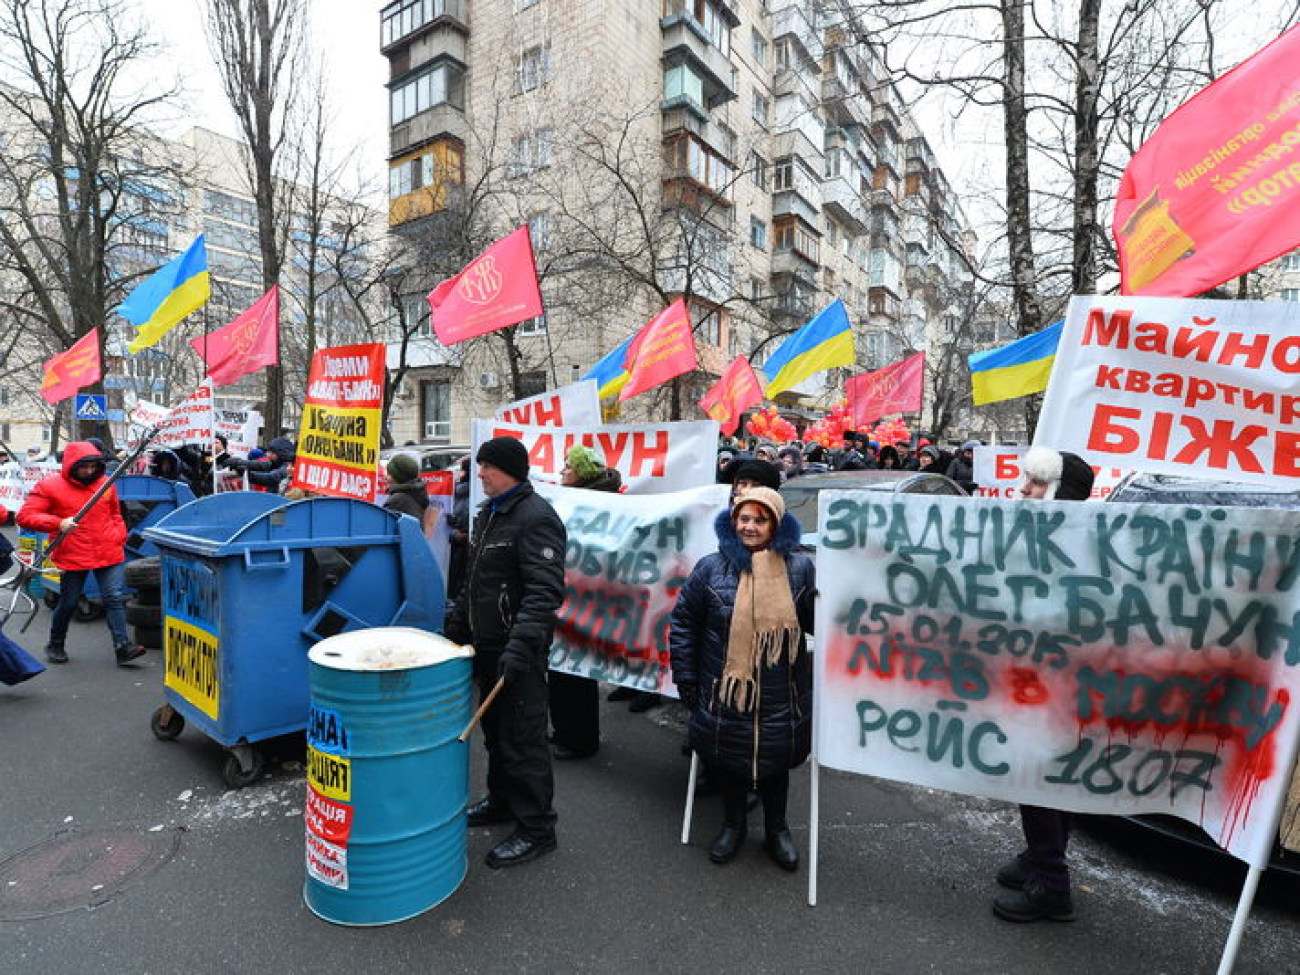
(386, 648)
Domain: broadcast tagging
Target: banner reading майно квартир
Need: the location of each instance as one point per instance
(338, 440)
(1098, 657)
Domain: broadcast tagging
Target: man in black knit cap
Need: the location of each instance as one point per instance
(514, 587)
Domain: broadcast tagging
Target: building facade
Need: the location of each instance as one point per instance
(750, 156)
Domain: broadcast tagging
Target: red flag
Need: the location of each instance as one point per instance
(736, 391)
(1215, 191)
(69, 371)
(246, 344)
(498, 288)
(663, 349)
(895, 389)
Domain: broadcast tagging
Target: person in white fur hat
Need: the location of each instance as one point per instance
(1039, 876)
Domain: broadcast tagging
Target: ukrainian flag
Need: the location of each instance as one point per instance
(165, 297)
(1018, 369)
(611, 373)
(826, 341)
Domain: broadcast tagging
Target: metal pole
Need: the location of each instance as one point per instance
(1239, 920)
(690, 798)
(814, 833)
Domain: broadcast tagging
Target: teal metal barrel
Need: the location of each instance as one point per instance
(387, 779)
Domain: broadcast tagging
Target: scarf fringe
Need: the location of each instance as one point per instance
(741, 693)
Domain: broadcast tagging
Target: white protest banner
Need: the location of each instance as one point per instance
(997, 473)
(1178, 386)
(239, 427)
(189, 421)
(574, 405)
(652, 457)
(1105, 658)
(13, 486)
(627, 558)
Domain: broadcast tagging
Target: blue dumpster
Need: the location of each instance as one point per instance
(250, 582)
(387, 776)
(146, 500)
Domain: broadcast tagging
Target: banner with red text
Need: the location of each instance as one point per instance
(573, 405)
(1178, 386)
(653, 458)
(1125, 659)
(998, 475)
(626, 560)
(338, 439)
(189, 421)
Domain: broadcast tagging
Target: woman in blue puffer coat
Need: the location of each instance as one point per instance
(741, 665)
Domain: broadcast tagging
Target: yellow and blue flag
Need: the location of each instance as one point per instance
(826, 341)
(1018, 369)
(169, 294)
(611, 373)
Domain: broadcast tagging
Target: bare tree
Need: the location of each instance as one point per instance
(81, 186)
(258, 46)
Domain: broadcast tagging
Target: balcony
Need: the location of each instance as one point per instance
(684, 42)
(884, 115)
(840, 201)
(406, 21)
(917, 155)
(794, 264)
(792, 21)
(844, 105)
(440, 122)
(788, 202)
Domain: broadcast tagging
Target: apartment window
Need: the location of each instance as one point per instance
(533, 326)
(441, 84)
(4, 397)
(5, 432)
(415, 315)
(1291, 262)
(531, 152)
(525, 4)
(687, 156)
(400, 19)
(444, 163)
(534, 67)
(832, 233)
(758, 170)
(761, 107)
(709, 15)
(532, 383)
(783, 175)
(758, 47)
(707, 320)
(435, 409)
(1291, 294)
(782, 55)
(682, 82)
(539, 229)
(230, 207)
(757, 233)
(792, 234)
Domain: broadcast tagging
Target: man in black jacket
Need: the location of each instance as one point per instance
(270, 472)
(514, 588)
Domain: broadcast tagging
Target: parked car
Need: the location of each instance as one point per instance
(1164, 489)
(433, 457)
(800, 493)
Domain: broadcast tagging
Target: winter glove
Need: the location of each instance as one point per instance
(689, 694)
(514, 664)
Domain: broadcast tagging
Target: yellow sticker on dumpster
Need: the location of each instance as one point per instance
(191, 657)
(329, 775)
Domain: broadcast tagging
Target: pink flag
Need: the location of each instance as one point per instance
(497, 289)
(895, 389)
(246, 344)
(662, 350)
(69, 371)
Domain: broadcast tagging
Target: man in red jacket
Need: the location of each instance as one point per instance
(94, 544)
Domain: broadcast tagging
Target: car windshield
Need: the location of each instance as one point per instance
(800, 493)
(1165, 489)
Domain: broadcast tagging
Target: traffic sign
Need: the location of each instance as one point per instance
(92, 406)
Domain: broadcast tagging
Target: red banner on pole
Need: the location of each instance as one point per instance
(497, 289)
(1215, 191)
(662, 350)
(246, 344)
(338, 440)
(736, 391)
(69, 371)
(899, 388)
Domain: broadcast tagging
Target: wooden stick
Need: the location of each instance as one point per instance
(482, 709)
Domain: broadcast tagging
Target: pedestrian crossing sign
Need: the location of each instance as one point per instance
(92, 406)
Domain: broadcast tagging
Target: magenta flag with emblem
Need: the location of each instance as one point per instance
(497, 289)
(898, 388)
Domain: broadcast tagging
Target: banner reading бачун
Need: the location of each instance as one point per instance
(338, 440)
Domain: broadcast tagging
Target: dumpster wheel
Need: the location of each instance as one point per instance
(167, 723)
(243, 766)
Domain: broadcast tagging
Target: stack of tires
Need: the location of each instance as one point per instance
(144, 609)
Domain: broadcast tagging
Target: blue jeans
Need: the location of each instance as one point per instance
(111, 580)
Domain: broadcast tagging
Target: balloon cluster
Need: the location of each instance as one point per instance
(768, 424)
(829, 430)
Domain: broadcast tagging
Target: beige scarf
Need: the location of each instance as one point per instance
(764, 627)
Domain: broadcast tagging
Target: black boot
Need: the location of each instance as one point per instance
(55, 653)
(728, 842)
(780, 847)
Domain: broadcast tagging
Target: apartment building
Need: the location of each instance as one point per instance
(750, 156)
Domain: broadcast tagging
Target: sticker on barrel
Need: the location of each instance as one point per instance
(326, 818)
(330, 775)
(327, 862)
(326, 731)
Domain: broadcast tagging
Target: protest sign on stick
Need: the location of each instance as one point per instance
(627, 558)
(338, 440)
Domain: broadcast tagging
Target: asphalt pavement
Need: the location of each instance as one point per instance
(120, 853)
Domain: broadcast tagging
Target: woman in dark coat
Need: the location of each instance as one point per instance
(574, 700)
(742, 668)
